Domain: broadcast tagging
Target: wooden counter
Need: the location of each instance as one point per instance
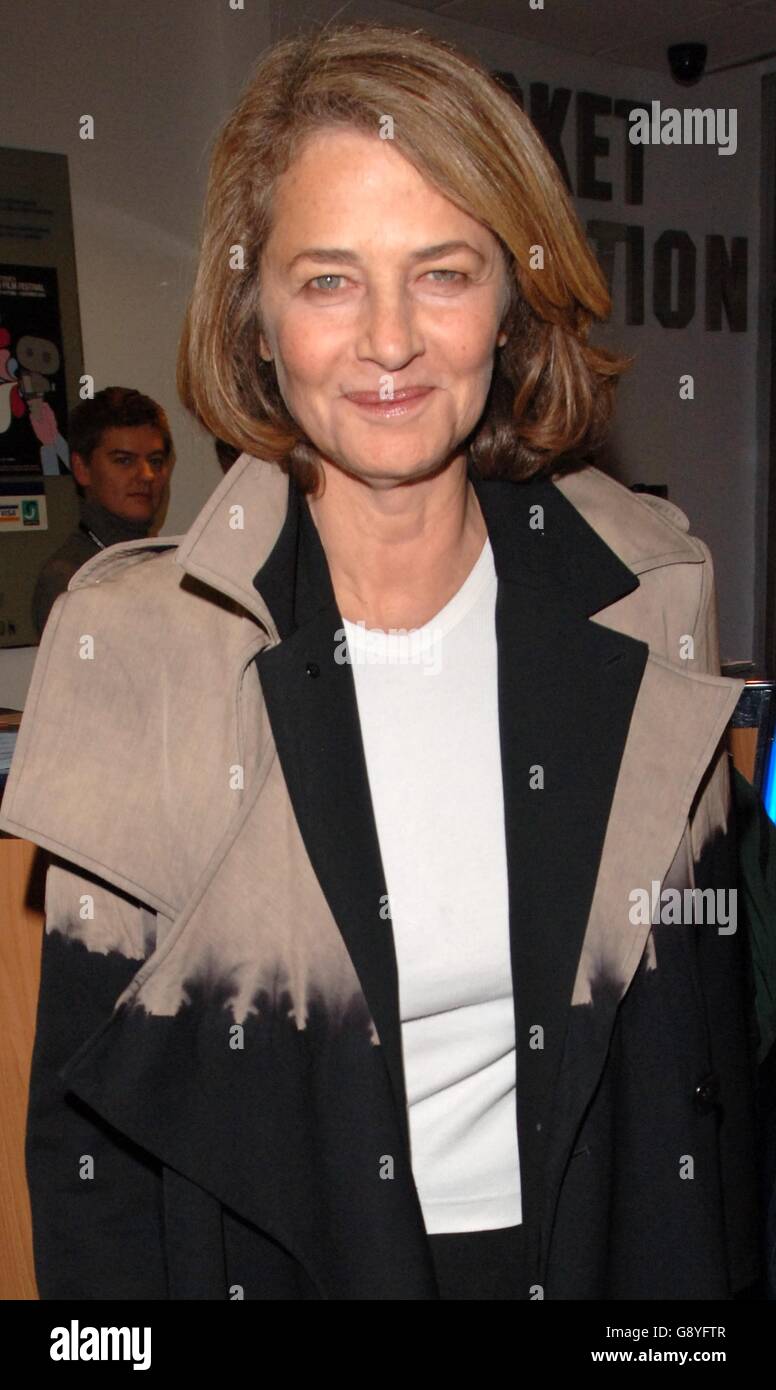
(22, 878)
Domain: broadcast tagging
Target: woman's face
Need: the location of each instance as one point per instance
(374, 282)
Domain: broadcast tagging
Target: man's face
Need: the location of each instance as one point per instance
(127, 472)
(409, 293)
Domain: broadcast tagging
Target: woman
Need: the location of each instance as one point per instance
(358, 792)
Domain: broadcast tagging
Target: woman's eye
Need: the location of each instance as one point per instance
(449, 277)
(326, 288)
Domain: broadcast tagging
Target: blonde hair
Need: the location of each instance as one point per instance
(552, 393)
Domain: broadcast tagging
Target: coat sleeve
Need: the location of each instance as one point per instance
(724, 966)
(96, 1199)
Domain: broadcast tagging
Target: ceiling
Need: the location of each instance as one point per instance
(635, 34)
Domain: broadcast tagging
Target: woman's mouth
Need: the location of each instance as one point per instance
(400, 402)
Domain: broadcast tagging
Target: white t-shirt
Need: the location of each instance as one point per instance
(428, 709)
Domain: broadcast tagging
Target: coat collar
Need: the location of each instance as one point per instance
(561, 557)
(586, 554)
(242, 539)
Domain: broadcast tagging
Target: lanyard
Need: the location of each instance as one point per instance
(89, 532)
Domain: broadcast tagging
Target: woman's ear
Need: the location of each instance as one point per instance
(264, 348)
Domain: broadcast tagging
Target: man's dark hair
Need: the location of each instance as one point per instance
(115, 407)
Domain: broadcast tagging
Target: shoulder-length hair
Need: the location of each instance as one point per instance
(552, 393)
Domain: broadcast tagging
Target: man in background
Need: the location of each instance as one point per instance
(121, 456)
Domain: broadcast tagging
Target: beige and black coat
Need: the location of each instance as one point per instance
(218, 1021)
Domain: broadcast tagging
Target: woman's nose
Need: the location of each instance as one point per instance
(389, 331)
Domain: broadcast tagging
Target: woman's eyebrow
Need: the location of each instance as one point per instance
(342, 256)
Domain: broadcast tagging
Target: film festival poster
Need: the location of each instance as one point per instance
(33, 391)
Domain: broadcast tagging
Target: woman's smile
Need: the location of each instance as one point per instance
(400, 404)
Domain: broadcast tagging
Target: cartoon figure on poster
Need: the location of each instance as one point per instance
(33, 387)
(25, 380)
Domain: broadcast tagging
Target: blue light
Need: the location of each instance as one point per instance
(769, 791)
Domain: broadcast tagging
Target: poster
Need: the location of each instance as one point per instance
(33, 394)
(41, 365)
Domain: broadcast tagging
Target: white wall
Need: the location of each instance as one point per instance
(160, 77)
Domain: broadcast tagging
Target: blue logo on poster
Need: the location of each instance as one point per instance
(30, 514)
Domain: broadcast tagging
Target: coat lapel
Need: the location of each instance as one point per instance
(567, 690)
(312, 708)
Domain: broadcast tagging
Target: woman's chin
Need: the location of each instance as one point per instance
(391, 466)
